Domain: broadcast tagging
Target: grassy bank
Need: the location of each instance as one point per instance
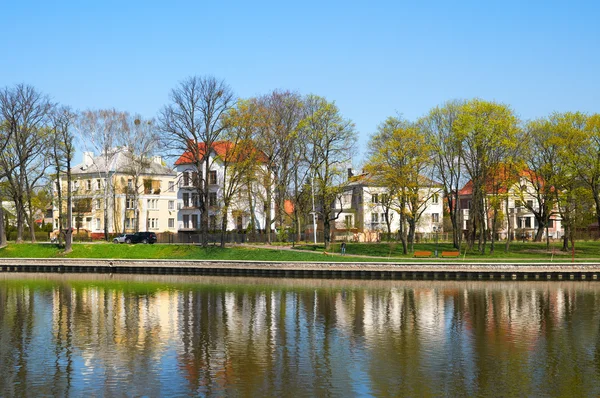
(175, 252)
(517, 251)
(355, 252)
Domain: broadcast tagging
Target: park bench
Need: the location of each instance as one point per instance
(422, 253)
(451, 254)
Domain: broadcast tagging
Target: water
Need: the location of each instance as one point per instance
(77, 335)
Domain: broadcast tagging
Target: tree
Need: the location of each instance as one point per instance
(25, 112)
(447, 153)
(330, 139)
(100, 131)
(487, 131)
(191, 124)
(400, 160)
(141, 139)
(279, 115)
(63, 151)
(240, 158)
(542, 148)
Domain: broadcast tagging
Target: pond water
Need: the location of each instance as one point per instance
(70, 335)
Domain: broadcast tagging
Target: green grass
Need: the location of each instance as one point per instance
(355, 252)
(175, 252)
(517, 251)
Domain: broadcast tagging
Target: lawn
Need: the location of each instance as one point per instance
(517, 251)
(355, 252)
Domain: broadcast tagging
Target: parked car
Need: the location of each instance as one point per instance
(121, 238)
(141, 237)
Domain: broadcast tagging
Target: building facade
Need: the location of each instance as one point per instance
(110, 188)
(366, 207)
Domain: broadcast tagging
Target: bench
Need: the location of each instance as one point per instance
(451, 254)
(423, 253)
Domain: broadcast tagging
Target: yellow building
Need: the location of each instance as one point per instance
(129, 195)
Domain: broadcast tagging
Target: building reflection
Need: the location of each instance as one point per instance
(212, 335)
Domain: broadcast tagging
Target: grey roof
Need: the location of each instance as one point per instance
(119, 160)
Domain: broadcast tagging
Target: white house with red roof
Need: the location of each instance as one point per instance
(248, 205)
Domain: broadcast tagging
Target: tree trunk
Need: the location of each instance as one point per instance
(508, 228)
(3, 241)
(69, 231)
(268, 210)
(224, 224)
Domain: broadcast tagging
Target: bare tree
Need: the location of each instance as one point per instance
(100, 131)
(191, 124)
(25, 112)
(63, 151)
(280, 113)
(141, 140)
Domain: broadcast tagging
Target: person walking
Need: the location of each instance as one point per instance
(343, 248)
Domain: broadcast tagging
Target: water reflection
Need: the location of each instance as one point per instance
(151, 335)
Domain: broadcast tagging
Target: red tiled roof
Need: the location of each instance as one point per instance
(501, 175)
(221, 148)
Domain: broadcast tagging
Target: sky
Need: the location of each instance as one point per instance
(374, 59)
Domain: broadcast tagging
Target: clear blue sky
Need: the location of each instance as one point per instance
(374, 59)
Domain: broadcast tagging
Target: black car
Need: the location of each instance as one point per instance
(141, 237)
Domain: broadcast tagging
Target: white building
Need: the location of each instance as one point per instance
(247, 206)
(363, 207)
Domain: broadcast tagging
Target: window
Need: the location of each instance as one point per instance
(98, 224)
(75, 185)
(98, 206)
(195, 221)
(186, 178)
(89, 185)
(383, 217)
(153, 223)
(518, 203)
(130, 183)
(171, 186)
(98, 184)
(186, 199)
(240, 222)
(171, 223)
(171, 205)
(528, 222)
(348, 221)
(130, 223)
(195, 199)
(152, 204)
(435, 217)
(195, 179)
(212, 199)
(384, 198)
(212, 177)
(375, 198)
(435, 199)
(530, 204)
(374, 218)
(130, 203)
(186, 221)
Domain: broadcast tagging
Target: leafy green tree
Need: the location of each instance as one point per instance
(488, 132)
(330, 143)
(400, 160)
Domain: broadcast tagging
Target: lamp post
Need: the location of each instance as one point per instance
(314, 214)
(436, 230)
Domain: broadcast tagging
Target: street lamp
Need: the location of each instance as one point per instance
(436, 229)
(314, 214)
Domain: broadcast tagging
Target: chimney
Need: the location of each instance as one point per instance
(350, 174)
(88, 158)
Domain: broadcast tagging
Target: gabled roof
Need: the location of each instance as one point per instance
(501, 174)
(221, 149)
(119, 160)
